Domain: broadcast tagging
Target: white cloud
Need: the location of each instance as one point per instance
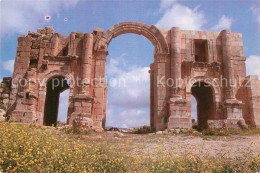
(127, 118)
(113, 68)
(63, 106)
(165, 4)
(178, 15)
(224, 22)
(181, 16)
(128, 94)
(253, 65)
(8, 65)
(128, 88)
(256, 11)
(19, 16)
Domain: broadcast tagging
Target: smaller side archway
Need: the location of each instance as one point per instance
(205, 105)
(54, 87)
(208, 95)
(43, 81)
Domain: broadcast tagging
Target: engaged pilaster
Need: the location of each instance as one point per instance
(178, 116)
(175, 61)
(100, 87)
(233, 106)
(227, 64)
(86, 63)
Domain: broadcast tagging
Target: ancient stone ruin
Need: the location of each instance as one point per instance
(208, 65)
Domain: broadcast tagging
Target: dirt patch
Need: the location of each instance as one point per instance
(230, 146)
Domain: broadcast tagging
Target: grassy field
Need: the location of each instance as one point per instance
(29, 148)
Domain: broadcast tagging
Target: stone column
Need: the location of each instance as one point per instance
(54, 45)
(179, 115)
(228, 64)
(100, 85)
(86, 63)
(178, 111)
(176, 61)
(160, 97)
(72, 44)
(151, 71)
(233, 107)
(82, 102)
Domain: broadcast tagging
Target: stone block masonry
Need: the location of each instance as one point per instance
(208, 65)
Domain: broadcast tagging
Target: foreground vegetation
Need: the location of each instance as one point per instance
(25, 148)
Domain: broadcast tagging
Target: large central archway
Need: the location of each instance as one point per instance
(127, 74)
(158, 69)
(152, 33)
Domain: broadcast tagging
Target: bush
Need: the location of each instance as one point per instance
(6, 89)
(145, 130)
(227, 132)
(215, 132)
(70, 130)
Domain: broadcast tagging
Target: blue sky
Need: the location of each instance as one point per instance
(129, 55)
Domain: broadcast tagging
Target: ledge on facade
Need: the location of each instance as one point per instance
(177, 101)
(187, 66)
(82, 97)
(27, 94)
(202, 64)
(252, 77)
(239, 58)
(60, 58)
(98, 30)
(233, 102)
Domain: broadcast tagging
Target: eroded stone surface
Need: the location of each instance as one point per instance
(2, 114)
(196, 59)
(82, 122)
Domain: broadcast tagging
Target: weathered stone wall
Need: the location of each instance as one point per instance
(251, 100)
(189, 56)
(5, 88)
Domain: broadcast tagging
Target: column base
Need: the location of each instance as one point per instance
(233, 109)
(23, 116)
(179, 118)
(97, 125)
(179, 123)
(82, 108)
(234, 118)
(79, 121)
(227, 124)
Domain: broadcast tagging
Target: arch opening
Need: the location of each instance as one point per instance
(194, 110)
(127, 72)
(54, 87)
(152, 33)
(203, 94)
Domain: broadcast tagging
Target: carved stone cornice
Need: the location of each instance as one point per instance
(61, 58)
(100, 54)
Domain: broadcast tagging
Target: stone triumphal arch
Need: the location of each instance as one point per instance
(208, 65)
